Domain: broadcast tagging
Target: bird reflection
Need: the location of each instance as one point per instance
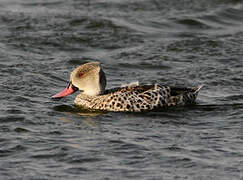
(88, 116)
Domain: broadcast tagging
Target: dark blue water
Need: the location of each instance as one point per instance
(176, 42)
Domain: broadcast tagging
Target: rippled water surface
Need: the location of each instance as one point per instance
(177, 42)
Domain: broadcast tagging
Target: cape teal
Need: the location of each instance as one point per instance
(90, 80)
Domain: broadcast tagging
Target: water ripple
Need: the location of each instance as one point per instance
(183, 42)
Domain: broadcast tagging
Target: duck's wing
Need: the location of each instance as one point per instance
(139, 98)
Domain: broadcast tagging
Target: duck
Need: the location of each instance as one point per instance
(90, 80)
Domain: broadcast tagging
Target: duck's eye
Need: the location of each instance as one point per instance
(80, 74)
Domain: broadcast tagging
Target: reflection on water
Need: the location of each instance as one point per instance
(87, 115)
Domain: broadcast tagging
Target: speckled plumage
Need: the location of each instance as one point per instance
(138, 98)
(90, 79)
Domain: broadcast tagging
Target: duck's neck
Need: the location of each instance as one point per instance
(93, 92)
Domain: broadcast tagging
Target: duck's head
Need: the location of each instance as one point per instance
(89, 78)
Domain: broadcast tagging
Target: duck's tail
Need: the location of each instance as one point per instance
(197, 89)
(182, 96)
(190, 97)
(181, 90)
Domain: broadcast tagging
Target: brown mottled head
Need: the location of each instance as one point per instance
(89, 78)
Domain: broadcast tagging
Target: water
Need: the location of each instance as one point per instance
(173, 42)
